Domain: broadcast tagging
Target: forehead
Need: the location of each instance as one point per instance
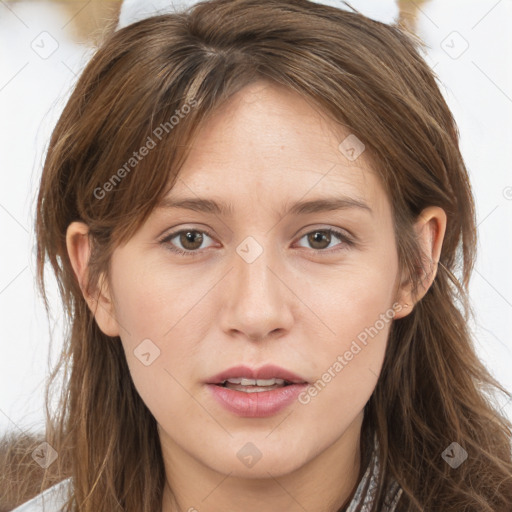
(268, 143)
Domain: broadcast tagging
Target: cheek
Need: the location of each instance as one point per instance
(354, 296)
(155, 311)
(347, 365)
(149, 300)
(355, 308)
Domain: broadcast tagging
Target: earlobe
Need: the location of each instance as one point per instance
(99, 302)
(430, 229)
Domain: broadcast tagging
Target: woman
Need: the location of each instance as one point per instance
(256, 212)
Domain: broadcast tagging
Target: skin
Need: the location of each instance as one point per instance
(299, 305)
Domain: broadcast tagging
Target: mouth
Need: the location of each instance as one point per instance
(258, 395)
(256, 392)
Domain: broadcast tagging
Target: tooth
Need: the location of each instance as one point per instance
(255, 382)
(269, 382)
(234, 381)
(253, 390)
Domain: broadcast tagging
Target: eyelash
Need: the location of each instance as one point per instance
(346, 241)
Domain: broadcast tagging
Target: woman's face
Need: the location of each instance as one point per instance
(263, 283)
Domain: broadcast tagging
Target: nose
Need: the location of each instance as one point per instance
(257, 303)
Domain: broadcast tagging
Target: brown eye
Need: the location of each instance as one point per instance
(186, 242)
(191, 240)
(319, 239)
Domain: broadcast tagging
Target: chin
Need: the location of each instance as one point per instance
(276, 463)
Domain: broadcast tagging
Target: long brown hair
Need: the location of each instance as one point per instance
(365, 75)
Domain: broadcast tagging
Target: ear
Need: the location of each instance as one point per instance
(100, 303)
(430, 229)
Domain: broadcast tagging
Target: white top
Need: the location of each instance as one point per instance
(51, 500)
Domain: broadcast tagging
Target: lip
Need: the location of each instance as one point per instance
(265, 372)
(259, 404)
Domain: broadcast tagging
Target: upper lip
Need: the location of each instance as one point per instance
(265, 372)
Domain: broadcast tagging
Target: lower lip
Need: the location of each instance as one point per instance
(259, 404)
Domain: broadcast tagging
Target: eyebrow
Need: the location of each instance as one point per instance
(298, 208)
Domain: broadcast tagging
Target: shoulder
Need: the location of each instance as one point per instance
(51, 500)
